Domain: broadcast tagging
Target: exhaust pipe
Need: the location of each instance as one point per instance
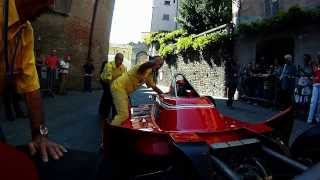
(224, 168)
(285, 159)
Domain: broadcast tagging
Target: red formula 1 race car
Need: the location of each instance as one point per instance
(182, 135)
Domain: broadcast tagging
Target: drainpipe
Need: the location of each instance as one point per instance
(5, 33)
(95, 7)
(177, 13)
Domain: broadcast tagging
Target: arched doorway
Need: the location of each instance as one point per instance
(141, 57)
(273, 48)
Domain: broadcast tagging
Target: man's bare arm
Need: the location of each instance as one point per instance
(157, 90)
(35, 109)
(40, 143)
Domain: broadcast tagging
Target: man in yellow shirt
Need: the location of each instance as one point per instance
(111, 71)
(129, 82)
(23, 75)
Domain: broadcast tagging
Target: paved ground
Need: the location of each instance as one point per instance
(73, 119)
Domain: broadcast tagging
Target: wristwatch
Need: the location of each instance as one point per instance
(42, 130)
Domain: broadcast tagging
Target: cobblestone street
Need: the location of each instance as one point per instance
(73, 119)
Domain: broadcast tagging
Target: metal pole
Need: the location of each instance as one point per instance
(93, 19)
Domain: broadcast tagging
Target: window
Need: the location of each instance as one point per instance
(62, 6)
(274, 7)
(271, 7)
(267, 8)
(165, 17)
(167, 3)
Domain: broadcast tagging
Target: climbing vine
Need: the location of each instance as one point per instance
(292, 20)
(190, 47)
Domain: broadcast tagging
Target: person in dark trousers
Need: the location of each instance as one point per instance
(110, 72)
(52, 62)
(303, 89)
(287, 81)
(17, 68)
(105, 89)
(232, 75)
(88, 69)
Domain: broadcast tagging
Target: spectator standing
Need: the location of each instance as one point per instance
(52, 62)
(303, 89)
(64, 67)
(287, 81)
(232, 75)
(242, 80)
(111, 72)
(39, 65)
(103, 85)
(268, 84)
(258, 80)
(88, 69)
(250, 80)
(315, 98)
(276, 73)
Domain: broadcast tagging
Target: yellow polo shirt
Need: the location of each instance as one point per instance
(131, 80)
(25, 73)
(112, 72)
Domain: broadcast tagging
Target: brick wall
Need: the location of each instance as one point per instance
(205, 79)
(70, 34)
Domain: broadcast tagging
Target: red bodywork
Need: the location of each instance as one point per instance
(151, 128)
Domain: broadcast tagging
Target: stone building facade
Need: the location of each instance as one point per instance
(71, 29)
(274, 46)
(164, 13)
(205, 79)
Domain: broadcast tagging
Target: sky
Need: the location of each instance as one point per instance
(130, 19)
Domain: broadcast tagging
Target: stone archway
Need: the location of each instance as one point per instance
(141, 56)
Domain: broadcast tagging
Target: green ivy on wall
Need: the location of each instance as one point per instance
(179, 43)
(214, 47)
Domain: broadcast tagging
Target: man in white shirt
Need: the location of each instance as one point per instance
(64, 67)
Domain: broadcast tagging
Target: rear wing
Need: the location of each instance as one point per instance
(281, 124)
